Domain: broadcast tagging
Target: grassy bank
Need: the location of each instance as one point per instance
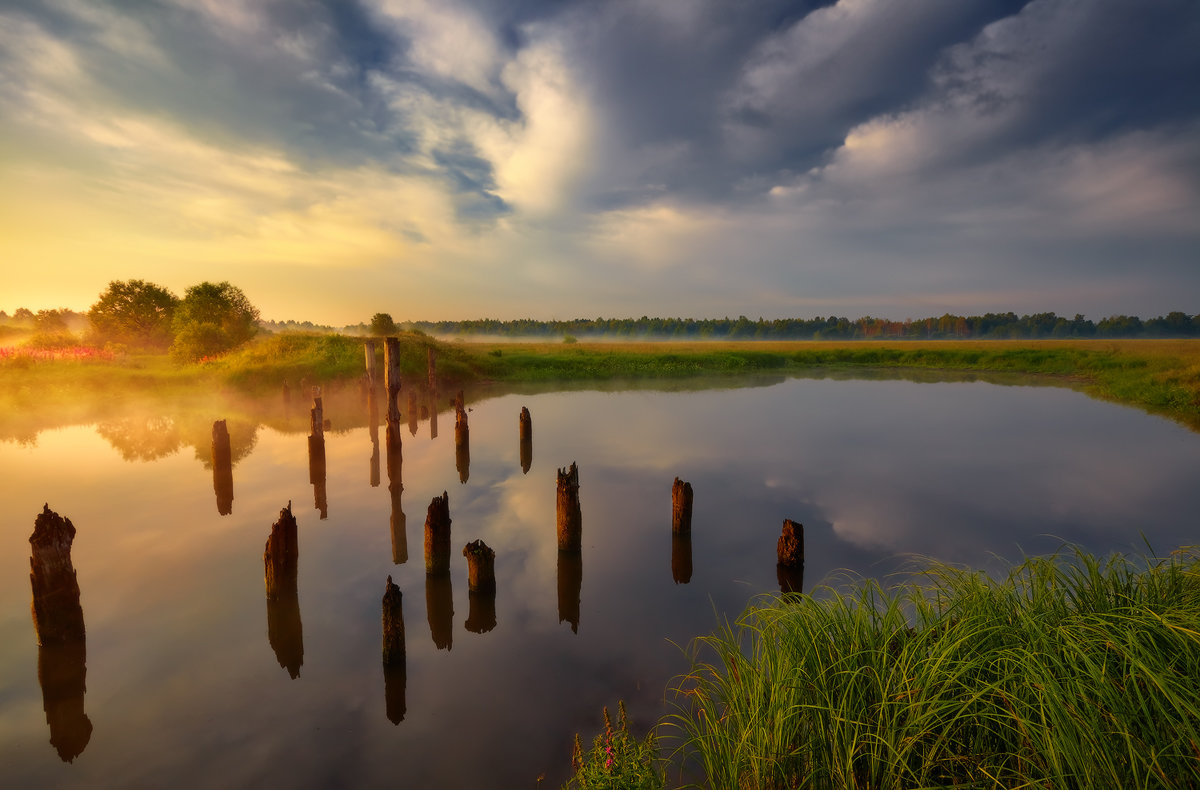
(1161, 376)
(1074, 671)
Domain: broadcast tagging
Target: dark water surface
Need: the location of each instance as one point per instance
(185, 687)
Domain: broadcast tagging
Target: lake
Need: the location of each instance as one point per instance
(194, 680)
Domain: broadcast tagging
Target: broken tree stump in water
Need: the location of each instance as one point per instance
(481, 567)
(570, 519)
(281, 561)
(681, 507)
(790, 547)
(437, 536)
(526, 434)
(391, 378)
(222, 460)
(394, 659)
(57, 614)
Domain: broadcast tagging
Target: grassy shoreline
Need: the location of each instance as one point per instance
(1073, 671)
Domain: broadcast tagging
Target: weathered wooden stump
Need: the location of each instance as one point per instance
(570, 583)
(791, 545)
(391, 376)
(481, 567)
(526, 435)
(281, 561)
(462, 443)
(393, 624)
(681, 557)
(57, 614)
(681, 507)
(316, 420)
(439, 609)
(570, 518)
(222, 460)
(437, 536)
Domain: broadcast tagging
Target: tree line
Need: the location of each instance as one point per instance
(947, 326)
(209, 319)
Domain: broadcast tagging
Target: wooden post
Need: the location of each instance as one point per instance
(394, 657)
(391, 375)
(281, 561)
(570, 519)
(526, 433)
(437, 536)
(462, 443)
(481, 567)
(316, 420)
(222, 460)
(57, 614)
(790, 547)
(681, 507)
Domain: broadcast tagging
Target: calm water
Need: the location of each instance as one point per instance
(184, 687)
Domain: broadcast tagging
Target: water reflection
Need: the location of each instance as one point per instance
(397, 520)
(61, 636)
(373, 432)
(439, 609)
(462, 441)
(570, 583)
(681, 558)
(141, 437)
(281, 560)
(222, 461)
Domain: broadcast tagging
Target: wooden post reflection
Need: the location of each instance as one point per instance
(394, 658)
(281, 561)
(316, 454)
(681, 558)
(570, 583)
(526, 432)
(398, 521)
(462, 442)
(481, 587)
(439, 609)
(222, 460)
(61, 636)
(790, 551)
(433, 412)
(373, 414)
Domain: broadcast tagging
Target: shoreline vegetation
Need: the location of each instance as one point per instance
(1073, 671)
(1159, 376)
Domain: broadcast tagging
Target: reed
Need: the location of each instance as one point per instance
(1073, 671)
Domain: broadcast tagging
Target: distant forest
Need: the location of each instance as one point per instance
(989, 326)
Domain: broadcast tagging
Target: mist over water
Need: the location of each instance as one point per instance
(195, 677)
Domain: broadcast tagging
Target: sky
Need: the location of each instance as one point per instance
(459, 159)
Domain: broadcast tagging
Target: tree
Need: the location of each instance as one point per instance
(212, 318)
(134, 312)
(382, 324)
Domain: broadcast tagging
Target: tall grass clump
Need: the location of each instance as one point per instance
(1073, 671)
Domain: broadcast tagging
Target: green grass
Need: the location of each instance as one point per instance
(1074, 671)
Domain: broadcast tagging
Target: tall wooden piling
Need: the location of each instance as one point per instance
(394, 658)
(391, 376)
(437, 536)
(570, 518)
(222, 460)
(526, 440)
(681, 507)
(281, 562)
(316, 420)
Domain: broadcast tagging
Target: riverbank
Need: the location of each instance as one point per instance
(1159, 376)
(1074, 671)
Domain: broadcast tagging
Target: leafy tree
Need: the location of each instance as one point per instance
(23, 315)
(212, 318)
(50, 321)
(134, 312)
(382, 324)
